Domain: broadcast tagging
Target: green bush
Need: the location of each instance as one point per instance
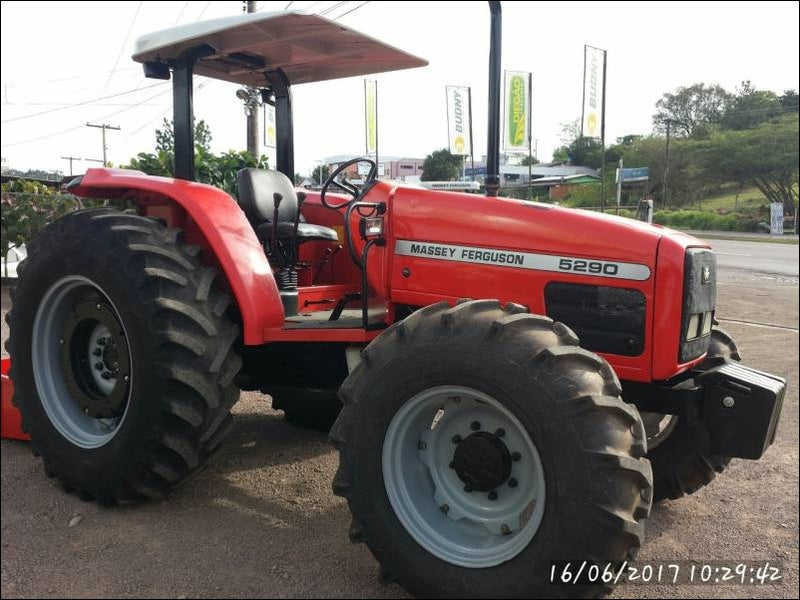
(705, 221)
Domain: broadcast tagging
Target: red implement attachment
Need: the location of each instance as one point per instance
(10, 419)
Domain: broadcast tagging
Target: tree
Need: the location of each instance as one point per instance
(165, 138)
(691, 109)
(529, 160)
(767, 156)
(27, 206)
(217, 170)
(749, 107)
(320, 174)
(789, 101)
(440, 165)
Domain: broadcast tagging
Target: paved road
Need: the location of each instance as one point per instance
(757, 257)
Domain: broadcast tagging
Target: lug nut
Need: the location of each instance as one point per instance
(475, 425)
(97, 352)
(492, 495)
(101, 341)
(125, 379)
(504, 529)
(61, 341)
(421, 445)
(106, 375)
(98, 306)
(444, 508)
(98, 366)
(500, 432)
(456, 439)
(515, 456)
(512, 483)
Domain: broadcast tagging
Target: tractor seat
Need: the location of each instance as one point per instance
(256, 198)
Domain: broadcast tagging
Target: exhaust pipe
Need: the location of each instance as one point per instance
(493, 150)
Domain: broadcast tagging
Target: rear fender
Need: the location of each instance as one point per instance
(211, 219)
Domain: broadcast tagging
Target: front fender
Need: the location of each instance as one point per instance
(221, 224)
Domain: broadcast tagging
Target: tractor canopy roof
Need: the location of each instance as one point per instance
(306, 47)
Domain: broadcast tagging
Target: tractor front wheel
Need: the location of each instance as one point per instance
(122, 355)
(679, 450)
(478, 444)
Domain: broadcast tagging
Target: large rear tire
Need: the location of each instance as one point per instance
(680, 450)
(122, 356)
(478, 444)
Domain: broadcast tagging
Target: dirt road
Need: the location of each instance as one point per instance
(261, 520)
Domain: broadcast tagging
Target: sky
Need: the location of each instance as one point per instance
(68, 63)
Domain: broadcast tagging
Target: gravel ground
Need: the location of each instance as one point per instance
(261, 520)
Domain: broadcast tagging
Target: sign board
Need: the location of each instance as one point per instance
(269, 126)
(371, 114)
(458, 125)
(636, 174)
(594, 66)
(776, 218)
(517, 122)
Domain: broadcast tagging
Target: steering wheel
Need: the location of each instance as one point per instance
(344, 184)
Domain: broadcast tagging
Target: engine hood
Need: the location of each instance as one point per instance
(501, 223)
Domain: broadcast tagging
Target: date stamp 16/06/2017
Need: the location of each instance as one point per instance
(583, 572)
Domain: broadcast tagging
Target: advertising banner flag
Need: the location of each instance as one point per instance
(269, 126)
(517, 122)
(371, 114)
(593, 93)
(459, 127)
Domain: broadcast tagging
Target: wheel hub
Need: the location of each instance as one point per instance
(95, 360)
(482, 461)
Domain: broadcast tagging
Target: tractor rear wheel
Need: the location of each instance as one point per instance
(122, 356)
(679, 450)
(478, 444)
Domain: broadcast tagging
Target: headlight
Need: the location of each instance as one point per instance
(708, 320)
(694, 327)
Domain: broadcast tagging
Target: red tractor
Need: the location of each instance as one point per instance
(492, 356)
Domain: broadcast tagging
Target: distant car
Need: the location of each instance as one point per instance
(9, 264)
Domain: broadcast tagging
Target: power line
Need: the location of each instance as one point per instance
(332, 8)
(202, 12)
(164, 112)
(92, 101)
(124, 41)
(352, 10)
(180, 14)
(56, 133)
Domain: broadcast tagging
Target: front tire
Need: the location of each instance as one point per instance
(478, 444)
(122, 355)
(681, 457)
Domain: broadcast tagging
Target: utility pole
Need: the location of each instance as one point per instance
(254, 111)
(70, 159)
(666, 165)
(104, 126)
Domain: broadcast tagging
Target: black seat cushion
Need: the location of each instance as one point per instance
(257, 189)
(305, 232)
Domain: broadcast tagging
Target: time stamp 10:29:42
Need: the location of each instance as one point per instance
(676, 572)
